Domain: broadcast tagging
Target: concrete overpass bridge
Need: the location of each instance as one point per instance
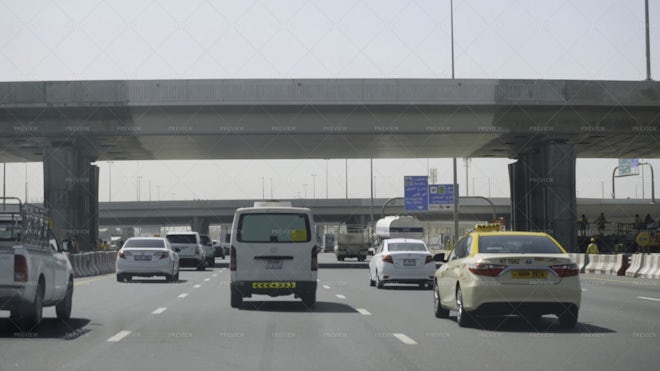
(545, 124)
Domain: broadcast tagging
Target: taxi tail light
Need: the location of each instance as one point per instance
(566, 270)
(315, 258)
(485, 269)
(388, 258)
(20, 269)
(232, 259)
(121, 254)
(429, 259)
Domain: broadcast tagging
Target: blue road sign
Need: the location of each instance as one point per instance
(416, 193)
(441, 196)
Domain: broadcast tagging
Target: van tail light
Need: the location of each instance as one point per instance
(315, 258)
(566, 270)
(429, 259)
(388, 259)
(20, 269)
(485, 269)
(232, 259)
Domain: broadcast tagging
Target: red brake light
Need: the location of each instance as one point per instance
(566, 270)
(429, 259)
(315, 258)
(163, 254)
(484, 269)
(232, 259)
(388, 258)
(121, 254)
(20, 269)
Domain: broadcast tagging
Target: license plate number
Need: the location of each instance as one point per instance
(273, 264)
(529, 274)
(142, 257)
(409, 262)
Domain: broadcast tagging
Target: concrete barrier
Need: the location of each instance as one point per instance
(592, 261)
(635, 265)
(650, 266)
(601, 263)
(610, 264)
(579, 259)
(620, 265)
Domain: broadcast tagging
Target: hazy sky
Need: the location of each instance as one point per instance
(84, 40)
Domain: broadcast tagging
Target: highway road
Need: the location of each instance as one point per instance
(152, 325)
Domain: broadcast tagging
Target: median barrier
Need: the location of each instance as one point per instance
(635, 265)
(601, 263)
(580, 260)
(592, 261)
(609, 264)
(650, 266)
(75, 264)
(622, 263)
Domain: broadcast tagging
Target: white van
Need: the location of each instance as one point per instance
(273, 252)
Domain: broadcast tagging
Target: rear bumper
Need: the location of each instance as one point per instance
(423, 274)
(274, 288)
(12, 296)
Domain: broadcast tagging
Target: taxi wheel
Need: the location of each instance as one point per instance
(438, 310)
(463, 318)
(568, 318)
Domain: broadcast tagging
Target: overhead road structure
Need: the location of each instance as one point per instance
(544, 124)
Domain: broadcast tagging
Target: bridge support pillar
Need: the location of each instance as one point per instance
(543, 193)
(71, 193)
(200, 225)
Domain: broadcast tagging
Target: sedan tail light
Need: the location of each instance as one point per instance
(566, 270)
(484, 269)
(162, 254)
(429, 259)
(121, 254)
(388, 258)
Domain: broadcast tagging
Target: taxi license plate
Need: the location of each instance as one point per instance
(273, 264)
(408, 262)
(529, 274)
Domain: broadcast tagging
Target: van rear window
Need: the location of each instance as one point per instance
(181, 238)
(274, 228)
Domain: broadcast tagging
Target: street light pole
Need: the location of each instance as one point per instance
(314, 186)
(648, 41)
(110, 181)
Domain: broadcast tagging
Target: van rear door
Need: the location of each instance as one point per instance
(274, 246)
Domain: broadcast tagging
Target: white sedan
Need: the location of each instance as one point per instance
(502, 273)
(401, 260)
(147, 257)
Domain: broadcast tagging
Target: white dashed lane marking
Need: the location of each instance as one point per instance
(405, 339)
(183, 295)
(159, 311)
(341, 296)
(118, 336)
(206, 279)
(645, 298)
(364, 312)
(197, 286)
(326, 286)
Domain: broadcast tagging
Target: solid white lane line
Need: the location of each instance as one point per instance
(197, 286)
(645, 298)
(341, 296)
(363, 312)
(405, 339)
(183, 295)
(118, 336)
(159, 311)
(326, 286)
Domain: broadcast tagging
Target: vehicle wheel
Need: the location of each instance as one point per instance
(211, 263)
(120, 278)
(169, 278)
(176, 277)
(236, 298)
(202, 267)
(379, 282)
(309, 299)
(463, 318)
(568, 318)
(438, 310)
(32, 313)
(63, 308)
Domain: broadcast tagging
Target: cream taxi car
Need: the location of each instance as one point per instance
(502, 273)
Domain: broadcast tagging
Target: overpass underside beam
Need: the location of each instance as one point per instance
(543, 193)
(71, 194)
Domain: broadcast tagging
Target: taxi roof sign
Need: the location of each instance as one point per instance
(494, 227)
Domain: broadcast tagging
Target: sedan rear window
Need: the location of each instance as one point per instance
(274, 228)
(517, 245)
(144, 243)
(406, 246)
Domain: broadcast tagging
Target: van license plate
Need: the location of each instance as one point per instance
(273, 264)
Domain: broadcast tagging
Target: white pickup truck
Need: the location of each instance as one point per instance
(34, 269)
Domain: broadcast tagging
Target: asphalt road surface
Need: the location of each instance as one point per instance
(152, 325)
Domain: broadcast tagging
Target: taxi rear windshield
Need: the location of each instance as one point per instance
(274, 228)
(517, 245)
